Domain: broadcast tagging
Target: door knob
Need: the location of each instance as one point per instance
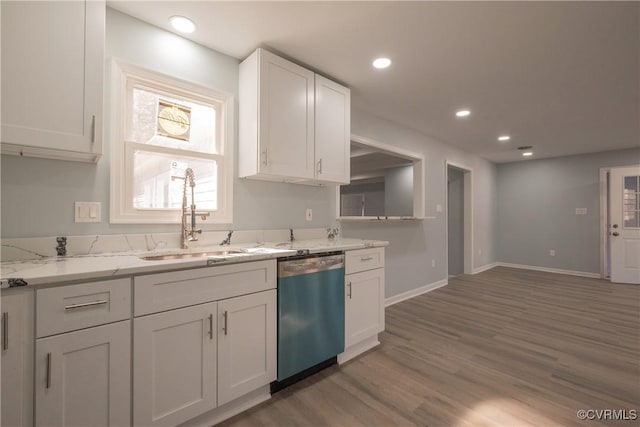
(615, 233)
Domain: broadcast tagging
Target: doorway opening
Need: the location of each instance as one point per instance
(459, 217)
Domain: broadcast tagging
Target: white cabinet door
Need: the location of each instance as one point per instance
(83, 378)
(364, 305)
(174, 365)
(286, 117)
(332, 131)
(17, 358)
(246, 344)
(276, 135)
(52, 78)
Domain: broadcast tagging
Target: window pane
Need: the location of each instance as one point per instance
(167, 121)
(154, 188)
(632, 219)
(631, 183)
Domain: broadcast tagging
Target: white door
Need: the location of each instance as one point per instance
(17, 359)
(247, 347)
(364, 306)
(83, 377)
(624, 224)
(174, 365)
(286, 117)
(333, 131)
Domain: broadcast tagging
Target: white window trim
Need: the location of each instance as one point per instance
(122, 212)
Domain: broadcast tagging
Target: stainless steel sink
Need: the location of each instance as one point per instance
(211, 253)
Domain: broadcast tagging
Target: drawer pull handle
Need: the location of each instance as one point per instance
(366, 258)
(226, 322)
(211, 326)
(48, 377)
(5, 330)
(85, 304)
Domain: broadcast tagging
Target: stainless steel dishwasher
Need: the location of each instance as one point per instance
(310, 315)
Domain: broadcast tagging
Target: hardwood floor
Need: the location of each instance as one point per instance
(506, 347)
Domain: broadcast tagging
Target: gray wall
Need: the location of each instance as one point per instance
(38, 195)
(536, 210)
(455, 220)
(398, 194)
(373, 196)
(414, 244)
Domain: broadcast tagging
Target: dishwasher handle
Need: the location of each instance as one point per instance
(315, 264)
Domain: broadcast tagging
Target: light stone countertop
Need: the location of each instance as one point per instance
(52, 270)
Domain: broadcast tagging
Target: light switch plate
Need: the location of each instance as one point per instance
(88, 212)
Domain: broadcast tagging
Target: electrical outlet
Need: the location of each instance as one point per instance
(309, 216)
(552, 252)
(433, 263)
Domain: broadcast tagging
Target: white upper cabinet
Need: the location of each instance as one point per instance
(333, 131)
(52, 79)
(294, 124)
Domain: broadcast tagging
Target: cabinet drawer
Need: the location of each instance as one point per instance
(72, 307)
(165, 291)
(363, 260)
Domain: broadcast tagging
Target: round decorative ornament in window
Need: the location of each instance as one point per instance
(174, 121)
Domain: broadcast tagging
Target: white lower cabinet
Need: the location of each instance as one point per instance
(364, 301)
(247, 348)
(191, 360)
(17, 358)
(364, 306)
(174, 365)
(82, 378)
(202, 339)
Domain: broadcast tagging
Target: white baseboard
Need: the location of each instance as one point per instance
(484, 267)
(550, 270)
(415, 292)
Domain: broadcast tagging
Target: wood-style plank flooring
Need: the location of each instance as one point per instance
(506, 347)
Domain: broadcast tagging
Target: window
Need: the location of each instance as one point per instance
(631, 202)
(160, 127)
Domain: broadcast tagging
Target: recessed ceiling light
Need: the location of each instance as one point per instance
(381, 62)
(182, 24)
(463, 113)
(504, 138)
(527, 153)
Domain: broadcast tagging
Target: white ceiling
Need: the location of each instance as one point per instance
(561, 76)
